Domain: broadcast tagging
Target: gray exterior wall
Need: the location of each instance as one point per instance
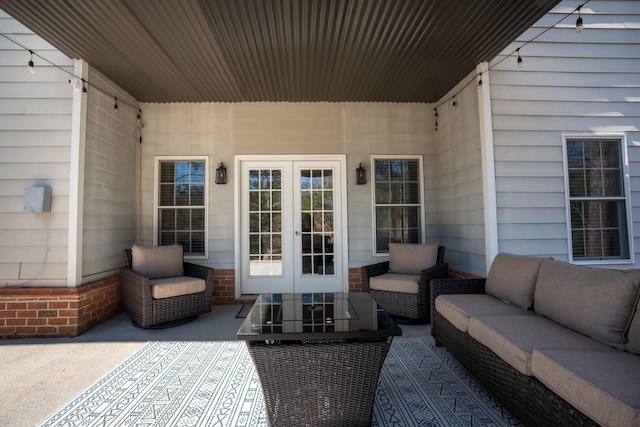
(571, 83)
(110, 178)
(456, 215)
(35, 150)
(35, 134)
(221, 131)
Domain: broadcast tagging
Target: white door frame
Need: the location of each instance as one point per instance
(239, 159)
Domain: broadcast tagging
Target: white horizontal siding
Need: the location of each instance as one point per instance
(570, 83)
(35, 132)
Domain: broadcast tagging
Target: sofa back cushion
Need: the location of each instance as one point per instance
(512, 278)
(595, 302)
(633, 335)
(411, 258)
(157, 262)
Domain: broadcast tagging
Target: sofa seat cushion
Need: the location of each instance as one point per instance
(392, 282)
(514, 337)
(459, 308)
(594, 301)
(603, 385)
(411, 258)
(513, 278)
(157, 262)
(176, 286)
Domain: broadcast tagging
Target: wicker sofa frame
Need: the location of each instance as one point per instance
(401, 304)
(147, 312)
(525, 397)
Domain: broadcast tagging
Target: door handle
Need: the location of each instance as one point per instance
(297, 233)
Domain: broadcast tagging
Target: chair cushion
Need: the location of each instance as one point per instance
(513, 278)
(459, 308)
(392, 282)
(176, 286)
(513, 338)
(602, 385)
(596, 302)
(157, 262)
(411, 258)
(633, 334)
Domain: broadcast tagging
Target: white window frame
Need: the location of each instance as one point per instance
(627, 196)
(372, 180)
(156, 188)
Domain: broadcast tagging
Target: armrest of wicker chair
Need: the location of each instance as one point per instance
(373, 270)
(136, 296)
(201, 272)
(439, 271)
(453, 286)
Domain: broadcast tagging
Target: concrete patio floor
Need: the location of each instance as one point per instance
(38, 376)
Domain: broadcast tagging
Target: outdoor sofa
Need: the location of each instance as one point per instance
(556, 344)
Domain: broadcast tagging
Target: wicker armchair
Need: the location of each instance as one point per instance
(401, 304)
(149, 312)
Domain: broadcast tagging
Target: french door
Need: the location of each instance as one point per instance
(291, 225)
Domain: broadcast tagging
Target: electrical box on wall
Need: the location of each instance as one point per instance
(37, 199)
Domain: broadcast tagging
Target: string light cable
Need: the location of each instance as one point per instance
(477, 78)
(77, 82)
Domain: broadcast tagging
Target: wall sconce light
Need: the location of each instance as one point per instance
(221, 174)
(361, 175)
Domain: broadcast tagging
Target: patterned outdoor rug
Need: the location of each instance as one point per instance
(215, 383)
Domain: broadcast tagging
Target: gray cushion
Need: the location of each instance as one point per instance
(596, 302)
(513, 338)
(604, 386)
(513, 278)
(392, 282)
(633, 335)
(176, 286)
(411, 258)
(157, 262)
(458, 308)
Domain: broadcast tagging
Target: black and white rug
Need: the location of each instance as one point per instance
(215, 384)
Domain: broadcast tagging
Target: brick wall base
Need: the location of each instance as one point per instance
(224, 286)
(57, 312)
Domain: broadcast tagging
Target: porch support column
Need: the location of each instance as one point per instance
(488, 165)
(76, 179)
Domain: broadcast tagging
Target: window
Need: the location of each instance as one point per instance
(181, 204)
(397, 199)
(598, 206)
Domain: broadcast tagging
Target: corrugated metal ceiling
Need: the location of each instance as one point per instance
(281, 50)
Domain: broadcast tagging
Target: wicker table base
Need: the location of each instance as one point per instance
(319, 383)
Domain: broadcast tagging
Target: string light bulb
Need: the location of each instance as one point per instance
(115, 105)
(435, 112)
(519, 60)
(579, 26)
(32, 69)
(84, 88)
(480, 80)
(454, 103)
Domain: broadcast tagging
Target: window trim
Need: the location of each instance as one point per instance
(372, 180)
(622, 138)
(156, 188)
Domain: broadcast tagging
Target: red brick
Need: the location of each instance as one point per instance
(26, 313)
(17, 306)
(47, 313)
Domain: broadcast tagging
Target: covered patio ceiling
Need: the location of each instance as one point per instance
(281, 50)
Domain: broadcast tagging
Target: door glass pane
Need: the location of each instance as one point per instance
(265, 222)
(316, 216)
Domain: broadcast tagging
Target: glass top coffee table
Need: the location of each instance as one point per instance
(318, 356)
